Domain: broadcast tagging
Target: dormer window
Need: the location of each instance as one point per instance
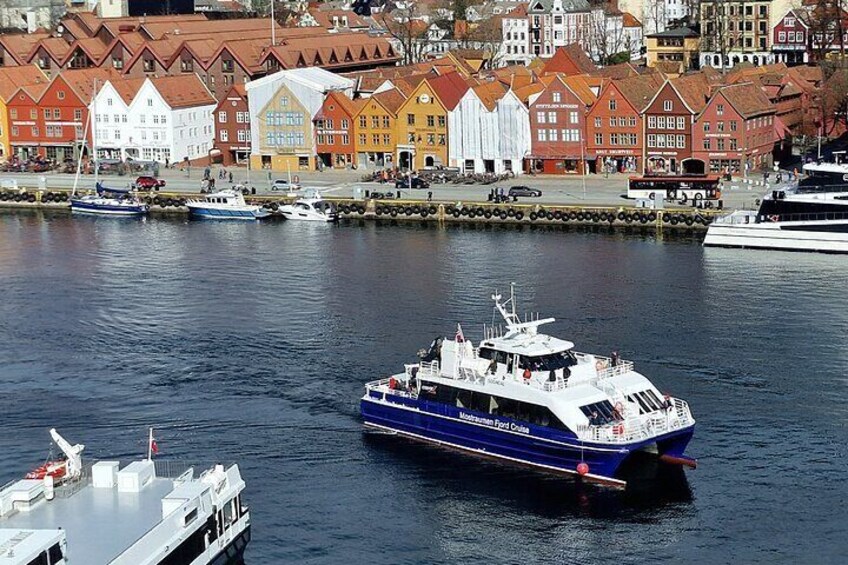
(149, 65)
(227, 65)
(186, 65)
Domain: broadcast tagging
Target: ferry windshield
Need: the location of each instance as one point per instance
(552, 362)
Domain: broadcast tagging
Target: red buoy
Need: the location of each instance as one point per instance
(582, 469)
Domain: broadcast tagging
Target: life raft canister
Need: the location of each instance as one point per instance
(392, 383)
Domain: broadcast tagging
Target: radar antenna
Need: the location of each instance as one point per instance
(513, 323)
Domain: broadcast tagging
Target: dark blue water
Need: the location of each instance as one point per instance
(251, 343)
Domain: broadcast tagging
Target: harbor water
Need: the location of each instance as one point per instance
(251, 343)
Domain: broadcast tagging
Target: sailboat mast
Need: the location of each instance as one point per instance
(92, 115)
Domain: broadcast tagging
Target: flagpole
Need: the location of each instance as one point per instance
(150, 445)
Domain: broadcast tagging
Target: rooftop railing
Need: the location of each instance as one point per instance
(641, 427)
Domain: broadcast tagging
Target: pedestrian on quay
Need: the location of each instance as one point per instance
(231, 177)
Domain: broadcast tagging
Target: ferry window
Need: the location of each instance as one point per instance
(642, 405)
(55, 554)
(603, 408)
(499, 356)
(551, 362)
(190, 517)
(480, 402)
(463, 399)
(446, 394)
(40, 560)
(228, 514)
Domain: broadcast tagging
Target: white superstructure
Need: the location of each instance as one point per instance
(144, 513)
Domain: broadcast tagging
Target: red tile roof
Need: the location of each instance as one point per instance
(571, 60)
(183, 91)
(391, 100)
(748, 99)
(14, 77)
(450, 88)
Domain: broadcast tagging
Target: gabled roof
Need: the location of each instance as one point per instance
(177, 28)
(56, 47)
(694, 89)
(581, 86)
(619, 71)
(571, 60)
(630, 20)
(391, 100)
(640, 90)
(14, 77)
(748, 99)
(489, 93)
(183, 91)
(21, 46)
(82, 81)
(127, 88)
(524, 93)
(345, 103)
(449, 89)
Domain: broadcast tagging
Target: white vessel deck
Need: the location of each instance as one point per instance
(99, 523)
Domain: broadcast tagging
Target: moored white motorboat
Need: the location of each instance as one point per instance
(811, 216)
(528, 398)
(314, 209)
(226, 204)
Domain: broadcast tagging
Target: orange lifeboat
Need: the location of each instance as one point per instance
(56, 469)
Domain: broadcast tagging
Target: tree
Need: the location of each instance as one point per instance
(714, 35)
(487, 36)
(407, 27)
(825, 21)
(606, 35)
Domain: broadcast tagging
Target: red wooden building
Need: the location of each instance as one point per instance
(558, 126)
(736, 131)
(232, 127)
(334, 135)
(51, 123)
(669, 118)
(614, 123)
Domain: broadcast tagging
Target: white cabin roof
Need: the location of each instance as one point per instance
(531, 345)
(20, 545)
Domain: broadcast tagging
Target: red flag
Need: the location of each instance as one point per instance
(153, 447)
(460, 337)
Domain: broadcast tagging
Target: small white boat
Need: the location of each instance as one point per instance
(311, 210)
(226, 205)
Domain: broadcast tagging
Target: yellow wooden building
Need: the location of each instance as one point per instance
(11, 79)
(375, 129)
(284, 134)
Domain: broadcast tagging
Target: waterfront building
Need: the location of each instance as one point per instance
(164, 119)
(49, 120)
(735, 132)
(669, 118)
(11, 80)
(674, 48)
(558, 124)
(335, 140)
(232, 127)
(375, 128)
(515, 30)
(735, 31)
(282, 106)
(423, 121)
(615, 125)
(473, 131)
(790, 39)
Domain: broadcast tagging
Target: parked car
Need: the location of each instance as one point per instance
(149, 183)
(285, 185)
(417, 182)
(516, 191)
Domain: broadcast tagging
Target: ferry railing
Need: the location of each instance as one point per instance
(605, 367)
(643, 426)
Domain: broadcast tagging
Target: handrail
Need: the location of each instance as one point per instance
(643, 426)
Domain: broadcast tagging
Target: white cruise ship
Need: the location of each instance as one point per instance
(148, 512)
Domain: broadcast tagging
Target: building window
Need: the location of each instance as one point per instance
(706, 145)
(363, 139)
(149, 65)
(681, 141)
(612, 121)
(410, 119)
(557, 97)
(222, 117)
(553, 135)
(77, 115)
(431, 121)
(612, 105)
(387, 123)
(387, 139)
(661, 122)
(652, 122)
(441, 121)
(599, 139)
(781, 36)
(597, 122)
(363, 121)
(33, 114)
(540, 117)
(720, 144)
(652, 140)
(633, 121)
(733, 125)
(720, 109)
(706, 126)
(733, 146)
(667, 105)
(431, 139)
(720, 126)
(613, 139)
(542, 135)
(552, 117)
(681, 122)
(47, 113)
(345, 123)
(224, 135)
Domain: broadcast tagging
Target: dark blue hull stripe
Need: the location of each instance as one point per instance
(526, 448)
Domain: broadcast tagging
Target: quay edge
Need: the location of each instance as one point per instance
(173, 203)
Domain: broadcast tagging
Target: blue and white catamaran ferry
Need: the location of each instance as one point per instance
(529, 398)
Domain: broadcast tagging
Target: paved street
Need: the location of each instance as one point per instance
(593, 190)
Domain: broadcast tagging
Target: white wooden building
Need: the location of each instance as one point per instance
(488, 131)
(164, 119)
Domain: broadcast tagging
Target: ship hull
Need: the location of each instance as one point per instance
(485, 435)
(821, 237)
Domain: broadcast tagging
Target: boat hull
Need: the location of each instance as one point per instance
(822, 237)
(502, 438)
(207, 213)
(108, 210)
